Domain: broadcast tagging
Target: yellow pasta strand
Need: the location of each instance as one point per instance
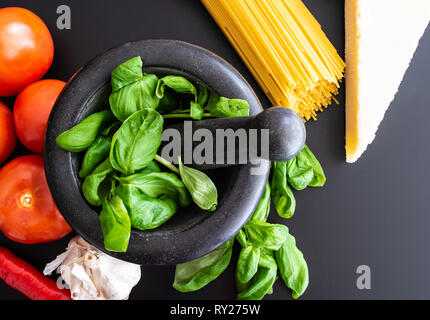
(285, 49)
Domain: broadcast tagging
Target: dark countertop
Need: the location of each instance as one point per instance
(374, 212)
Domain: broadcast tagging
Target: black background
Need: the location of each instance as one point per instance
(374, 212)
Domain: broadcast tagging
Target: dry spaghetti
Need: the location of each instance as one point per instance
(285, 49)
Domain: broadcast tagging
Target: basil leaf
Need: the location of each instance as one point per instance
(81, 136)
(292, 267)
(262, 283)
(197, 111)
(95, 155)
(265, 235)
(135, 144)
(136, 96)
(176, 83)
(127, 73)
(282, 196)
(263, 208)
(146, 212)
(319, 178)
(115, 224)
(196, 274)
(222, 107)
(247, 265)
(299, 172)
(241, 238)
(157, 184)
(202, 189)
(96, 186)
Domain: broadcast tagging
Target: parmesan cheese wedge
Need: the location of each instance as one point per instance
(381, 38)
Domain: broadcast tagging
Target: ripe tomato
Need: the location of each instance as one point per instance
(28, 213)
(26, 50)
(31, 112)
(7, 133)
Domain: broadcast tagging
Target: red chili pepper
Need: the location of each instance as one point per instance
(25, 278)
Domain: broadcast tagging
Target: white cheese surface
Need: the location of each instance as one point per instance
(388, 33)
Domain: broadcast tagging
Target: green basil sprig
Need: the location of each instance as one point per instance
(135, 144)
(196, 274)
(208, 105)
(257, 268)
(115, 224)
(81, 136)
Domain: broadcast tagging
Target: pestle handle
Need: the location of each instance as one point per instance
(280, 133)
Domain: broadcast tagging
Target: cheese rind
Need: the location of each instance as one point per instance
(381, 38)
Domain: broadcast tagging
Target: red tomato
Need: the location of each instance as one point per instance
(26, 50)
(7, 133)
(28, 213)
(31, 112)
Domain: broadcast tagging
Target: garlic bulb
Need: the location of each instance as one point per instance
(93, 275)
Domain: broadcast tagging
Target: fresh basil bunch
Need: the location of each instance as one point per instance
(266, 248)
(121, 145)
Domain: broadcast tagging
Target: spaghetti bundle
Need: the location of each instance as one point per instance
(285, 49)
